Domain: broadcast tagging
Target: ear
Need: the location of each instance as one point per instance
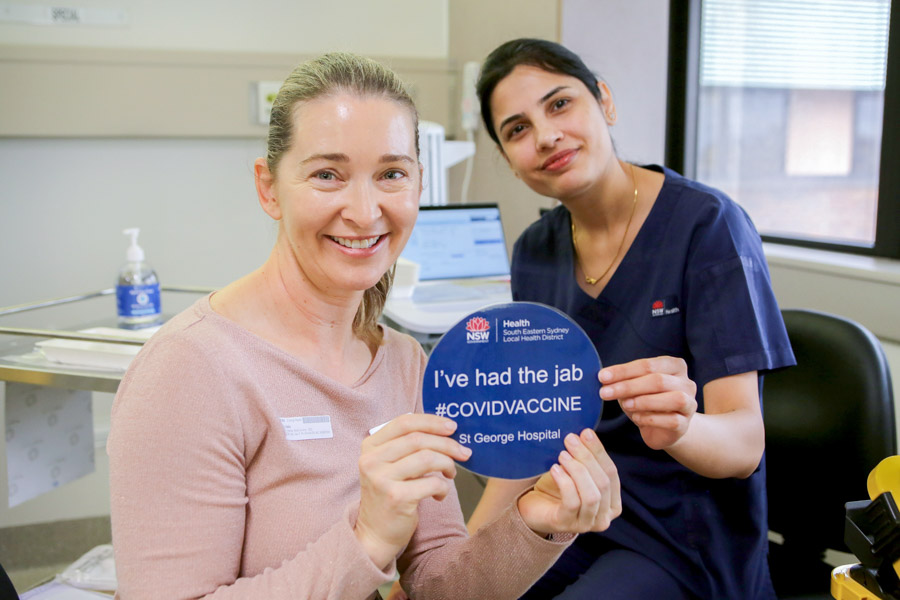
(607, 105)
(421, 179)
(265, 189)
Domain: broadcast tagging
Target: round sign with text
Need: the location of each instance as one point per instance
(516, 378)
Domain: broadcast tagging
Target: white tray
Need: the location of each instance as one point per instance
(105, 355)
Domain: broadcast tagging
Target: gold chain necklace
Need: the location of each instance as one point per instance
(593, 280)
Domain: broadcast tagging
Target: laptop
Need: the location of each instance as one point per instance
(461, 252)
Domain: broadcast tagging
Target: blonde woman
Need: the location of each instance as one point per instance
(240, 455)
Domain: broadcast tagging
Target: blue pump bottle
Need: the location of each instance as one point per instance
(137, 291)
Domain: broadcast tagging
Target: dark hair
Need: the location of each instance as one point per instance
(543, 54)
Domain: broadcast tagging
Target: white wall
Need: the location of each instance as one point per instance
(626, 45)
(63, 205)
(413, 28)
(64, 202)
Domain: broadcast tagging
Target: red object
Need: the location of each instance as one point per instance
(477, 324)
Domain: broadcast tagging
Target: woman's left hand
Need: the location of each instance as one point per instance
(656, 394)
(580, 494)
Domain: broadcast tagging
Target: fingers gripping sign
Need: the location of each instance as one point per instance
(400, 465)
(579, 494)
(656, 394)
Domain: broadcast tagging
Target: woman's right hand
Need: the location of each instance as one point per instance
(398, 467)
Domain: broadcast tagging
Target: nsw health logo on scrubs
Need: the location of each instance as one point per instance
(665, 306)
(516, 378)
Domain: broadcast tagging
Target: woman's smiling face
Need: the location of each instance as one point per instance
(347, 191)
(553, 131)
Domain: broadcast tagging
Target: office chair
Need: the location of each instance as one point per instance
(829, 421)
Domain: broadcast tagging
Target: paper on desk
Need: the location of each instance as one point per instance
(56, 590)
(49, 439)
(95, 570)
(100, 355)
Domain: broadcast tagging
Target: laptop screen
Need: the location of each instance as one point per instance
(457, 241)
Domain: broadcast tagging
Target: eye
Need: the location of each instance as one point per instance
(515, 130)
(324, 175)
(560, 103)
(394, 174)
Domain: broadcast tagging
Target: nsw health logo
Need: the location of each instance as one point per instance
(478, 330)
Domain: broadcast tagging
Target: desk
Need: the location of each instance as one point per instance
(13, 369)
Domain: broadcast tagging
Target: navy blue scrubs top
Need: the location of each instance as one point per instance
(693, 284)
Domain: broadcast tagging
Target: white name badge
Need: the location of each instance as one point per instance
(307, 428)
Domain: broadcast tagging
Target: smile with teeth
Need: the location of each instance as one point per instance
(364, 243)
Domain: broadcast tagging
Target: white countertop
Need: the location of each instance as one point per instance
(436, 317)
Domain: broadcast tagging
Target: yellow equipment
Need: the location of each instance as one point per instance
(872, 532)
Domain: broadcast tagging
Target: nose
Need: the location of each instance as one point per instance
(547, 135)
(362, 206)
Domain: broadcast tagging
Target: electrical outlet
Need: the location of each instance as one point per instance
(470, 110)
(265, 92)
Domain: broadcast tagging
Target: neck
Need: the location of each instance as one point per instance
(607, 203)
(323, 317)
(280, 304)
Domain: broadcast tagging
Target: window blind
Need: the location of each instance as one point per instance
(807, 44)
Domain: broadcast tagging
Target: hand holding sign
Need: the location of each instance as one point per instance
(396, 470)
(656, 394)
(582, 493)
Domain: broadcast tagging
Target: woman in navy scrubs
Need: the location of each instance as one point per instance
(668, 278)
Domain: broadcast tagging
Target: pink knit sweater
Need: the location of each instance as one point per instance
(210, 498)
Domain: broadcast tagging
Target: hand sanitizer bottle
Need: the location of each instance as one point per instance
(137, 292)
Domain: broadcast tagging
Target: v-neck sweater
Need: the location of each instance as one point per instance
(212, 498)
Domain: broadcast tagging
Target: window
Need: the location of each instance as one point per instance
(791, 108)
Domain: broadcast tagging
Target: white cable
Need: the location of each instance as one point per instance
(470, 136)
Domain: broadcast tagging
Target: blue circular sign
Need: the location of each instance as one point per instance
(516, 378)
